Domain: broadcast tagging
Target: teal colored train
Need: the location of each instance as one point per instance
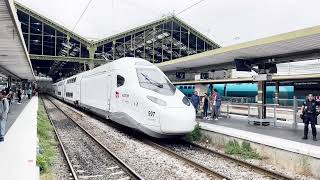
(244, 92)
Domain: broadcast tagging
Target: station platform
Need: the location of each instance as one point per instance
(18, 151)
(281, 136)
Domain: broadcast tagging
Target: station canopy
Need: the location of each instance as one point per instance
(14, 59)
(59, 52)
(170, 43)
(297, 45)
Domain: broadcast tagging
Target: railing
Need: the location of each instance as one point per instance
(252, 110)
(273, 112)
(239, 99)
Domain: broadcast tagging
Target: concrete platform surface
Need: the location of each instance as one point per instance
(282, 136)
(18, 151)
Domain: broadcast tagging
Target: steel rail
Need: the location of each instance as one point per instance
(192, 163)
(265, 171)
(74, 175)
(121, 163)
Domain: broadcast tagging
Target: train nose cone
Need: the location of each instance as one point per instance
(177, 120)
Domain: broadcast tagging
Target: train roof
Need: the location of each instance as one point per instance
(122, 62)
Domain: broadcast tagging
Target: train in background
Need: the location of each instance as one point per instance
(248, 91)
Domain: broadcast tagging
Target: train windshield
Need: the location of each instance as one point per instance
(154, 80)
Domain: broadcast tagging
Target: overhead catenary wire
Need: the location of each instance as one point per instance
(83, 12)
(189, 7)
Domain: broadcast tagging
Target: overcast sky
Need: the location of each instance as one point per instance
(224, 21)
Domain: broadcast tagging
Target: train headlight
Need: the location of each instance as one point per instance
(157, 100)
(186, 101)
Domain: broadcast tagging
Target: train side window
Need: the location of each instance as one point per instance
(120, 80)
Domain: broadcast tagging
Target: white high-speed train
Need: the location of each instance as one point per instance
(132, 92)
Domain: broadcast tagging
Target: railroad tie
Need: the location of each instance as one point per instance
(117, 173)
(113, 167)
(90, 176)
(125, 178)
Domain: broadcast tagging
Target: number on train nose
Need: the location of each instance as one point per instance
(151, 113)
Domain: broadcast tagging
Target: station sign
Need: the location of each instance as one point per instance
(180, 75)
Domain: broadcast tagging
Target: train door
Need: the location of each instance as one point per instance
(77, 91)
(63, 90)
(109, 91)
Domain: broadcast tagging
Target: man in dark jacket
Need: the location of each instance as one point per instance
(309, 111)
(195, 100)
(205, 106)
(19, 95)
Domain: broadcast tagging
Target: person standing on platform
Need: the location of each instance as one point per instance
(4, 109)
(9, 98)
(213, 104)
(29, 92)
(205, 106)
(195, 100)
(309, 113)
(218, 105)
(19, 93)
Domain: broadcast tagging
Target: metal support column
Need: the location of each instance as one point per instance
(144, 44)
(42, 29)
(276, 94)
(262, 99)
(9, 81)
(188, 41)
(133, 44)
(91, 50)
(55, 43)
(29, 35)
(154, 30)
(162, 31)
(113, 50)
(294, 112)
(171, 40)
(180, 42)
(68, 40)
(124, 47)
(196, 44)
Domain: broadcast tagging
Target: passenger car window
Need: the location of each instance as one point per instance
(120, 80)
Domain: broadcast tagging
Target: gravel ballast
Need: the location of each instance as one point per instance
(147, 161)
(262, 163)
(88, 159)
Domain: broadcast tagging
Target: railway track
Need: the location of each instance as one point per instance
(192, 163)
(215, 173)
(87, 158)
(269, 173)
(186, 150)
